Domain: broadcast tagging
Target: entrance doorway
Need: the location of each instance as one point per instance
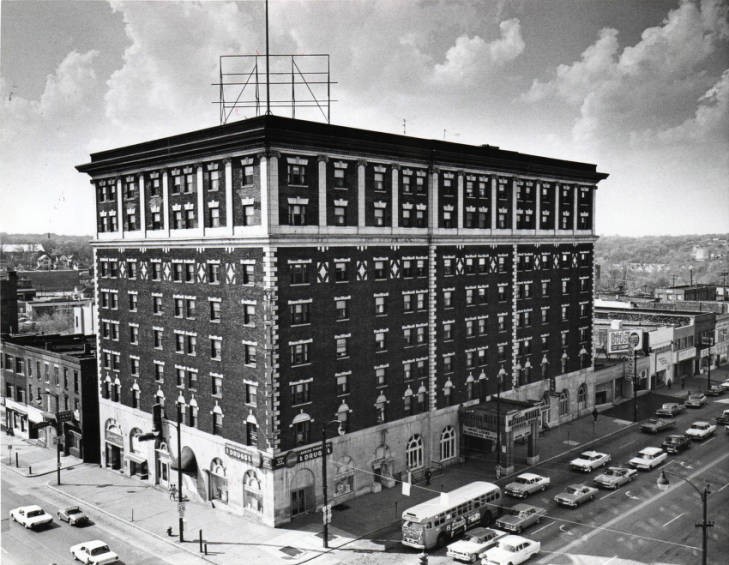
(298, 502)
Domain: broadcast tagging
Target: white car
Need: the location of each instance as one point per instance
(525, 484)
(725, 385)
(31, 516)
(474, 544)
(700, 430)
(648, 458)
(589, 461)
(94, 552)
(510, 550)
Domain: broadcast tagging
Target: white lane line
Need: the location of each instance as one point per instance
(674, 519)
(543, 527)
(712, 438)
(613, 558)
(722, 488)
(612, 493)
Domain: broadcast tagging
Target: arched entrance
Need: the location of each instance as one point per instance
(302, 493)
(193, 483)
(218, 481)
(113, 444)
(252, 493)
(136, 457)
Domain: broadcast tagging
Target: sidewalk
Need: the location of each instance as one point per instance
(232, 539)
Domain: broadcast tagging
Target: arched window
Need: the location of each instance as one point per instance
(447, 443)
(582, 396)
(253, 500)
(564, 402)
(414, 452)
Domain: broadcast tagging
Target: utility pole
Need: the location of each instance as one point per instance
(325, 508)
(180, 502)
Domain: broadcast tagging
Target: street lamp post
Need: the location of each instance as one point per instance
(180, 502)
(635, 386)
(499, 377)
(704, 494)
(710, 342)
(326, 511)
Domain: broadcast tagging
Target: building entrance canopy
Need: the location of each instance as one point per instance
(515, 416)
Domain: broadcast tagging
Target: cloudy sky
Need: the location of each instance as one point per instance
(639, 87)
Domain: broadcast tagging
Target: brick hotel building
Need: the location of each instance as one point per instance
(274, 275)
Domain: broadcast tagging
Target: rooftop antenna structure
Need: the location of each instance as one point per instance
(299, 81)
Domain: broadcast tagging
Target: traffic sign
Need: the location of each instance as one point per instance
(65, 416)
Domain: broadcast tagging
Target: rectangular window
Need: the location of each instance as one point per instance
(381, 376)
(192, 380)
(342, 308)
(299, 313)
(249, 314)
(216, 384)
(216, 348)
(134, 366)
(214, 273)
(299, 273)
(421, 334)
(379, 214)
(297, 214)
(214, 311)
(248, 172)
(190, 308)
(379, 181)
(300, 393)
(248, 273)
(157, 337)
(132, 302)
(179, 307)
(380, 305)
(379, 270)
(339, 178)
(159, 372)
(214, 217)
(342, 347)
(249, 215)
(447, 299)
(380, 341)
(134, 335)
(340, 215)
(156, 270)
(217, 424)
(132, 269)
(249, 354)
(300, 353)
(448, 331)
(296, 174)
(340, 271)
(191, 345)
(190, 221)
(342, 384)
(189, 272)
(407, 302)
(251, 394)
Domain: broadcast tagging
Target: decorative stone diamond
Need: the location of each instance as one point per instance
(361, 270)
(122, 269)
(395, 268)
(323, 272)
(166, 271)
(201, 273)
(230, 273)
(143, 270)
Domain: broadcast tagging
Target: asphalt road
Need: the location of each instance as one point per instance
(51, 545)
(637, 523)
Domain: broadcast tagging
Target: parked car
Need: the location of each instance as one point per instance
(714, 390)
(725, 385)
(589, 461)
(676, 443)
(648, 458)
(525, 484)
(695, 400)
(723, 418)
(474, 544)
(655, 425)
(670, 409)
(511, 550)
(700, 430)
(574, 495)
(73, 515)
(614, 477)
(31, 517)
(94, 552)
(519, 517)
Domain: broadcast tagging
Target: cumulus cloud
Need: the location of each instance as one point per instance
(652, 86)
(471, 57)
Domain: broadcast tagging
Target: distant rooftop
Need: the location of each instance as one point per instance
(74, 345)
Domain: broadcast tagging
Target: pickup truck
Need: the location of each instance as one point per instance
(519, 517)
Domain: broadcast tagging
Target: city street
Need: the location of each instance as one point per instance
(637, 523)
(51, 544)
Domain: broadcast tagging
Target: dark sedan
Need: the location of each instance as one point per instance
(655, 425)
(676, 443)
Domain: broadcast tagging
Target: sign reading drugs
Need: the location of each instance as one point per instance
(624, 341)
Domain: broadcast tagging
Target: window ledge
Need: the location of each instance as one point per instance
(307, 364)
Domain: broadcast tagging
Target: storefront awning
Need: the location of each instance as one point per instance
(189, 465)
(136, 457)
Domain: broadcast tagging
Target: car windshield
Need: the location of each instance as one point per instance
(73, 511)
(571, 490)
(521, 480)
(99, 550)
(509, 548)
(35, 513)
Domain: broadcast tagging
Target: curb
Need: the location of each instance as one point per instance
(96, 508)
(19, 470)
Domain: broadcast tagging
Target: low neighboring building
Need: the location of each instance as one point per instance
(8, 303)
(48, 379)
(50, 283)
(84, 318)
(686, 292)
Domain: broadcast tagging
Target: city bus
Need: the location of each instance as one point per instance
(436, 522)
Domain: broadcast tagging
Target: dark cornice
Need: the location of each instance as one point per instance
(276, 131)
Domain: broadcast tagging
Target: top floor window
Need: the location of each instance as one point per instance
(379, 181)
(299, 273)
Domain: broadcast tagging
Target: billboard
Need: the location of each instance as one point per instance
(624, 341)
